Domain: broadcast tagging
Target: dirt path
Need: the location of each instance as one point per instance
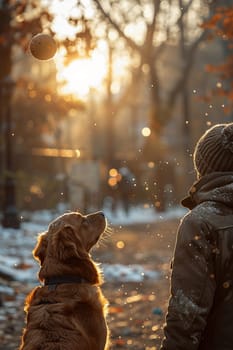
(137, 309)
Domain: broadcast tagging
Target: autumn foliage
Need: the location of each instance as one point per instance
(221, 26)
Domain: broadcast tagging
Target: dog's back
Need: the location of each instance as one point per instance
(70, 317)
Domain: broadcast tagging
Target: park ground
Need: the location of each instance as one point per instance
(137, 307)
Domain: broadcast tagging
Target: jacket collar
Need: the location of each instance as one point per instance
(217, 186)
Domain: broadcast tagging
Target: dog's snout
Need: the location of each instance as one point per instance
(99, 214)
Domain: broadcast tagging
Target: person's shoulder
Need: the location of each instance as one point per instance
(201, 215)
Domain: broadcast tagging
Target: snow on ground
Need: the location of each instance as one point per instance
(16, 245)
(141, 215)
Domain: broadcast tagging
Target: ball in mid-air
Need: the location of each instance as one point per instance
(43, 46)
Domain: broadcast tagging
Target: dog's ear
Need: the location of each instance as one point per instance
(41, 247)
(67, 245)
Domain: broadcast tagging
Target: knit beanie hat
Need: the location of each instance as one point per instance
(214, 150)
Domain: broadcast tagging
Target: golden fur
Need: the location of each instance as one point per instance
(67, 316)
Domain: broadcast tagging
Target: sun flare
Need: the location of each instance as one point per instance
(82, 75)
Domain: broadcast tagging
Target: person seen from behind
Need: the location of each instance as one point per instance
(200, 310)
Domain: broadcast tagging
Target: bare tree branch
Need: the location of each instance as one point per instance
(150, 54)
(186, 70)
(184, 9)
(152, 25)
(129, 41)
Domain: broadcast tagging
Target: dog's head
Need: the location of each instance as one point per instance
(68, 240)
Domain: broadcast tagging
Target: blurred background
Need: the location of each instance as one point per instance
(112, 119)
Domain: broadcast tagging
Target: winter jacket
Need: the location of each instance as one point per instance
(200, 311)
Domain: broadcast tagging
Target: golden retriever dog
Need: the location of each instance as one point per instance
(68, 312)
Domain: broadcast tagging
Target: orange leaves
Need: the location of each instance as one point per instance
(213, 21)
(221, 25)
(221, 22)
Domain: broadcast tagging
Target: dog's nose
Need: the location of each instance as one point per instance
(99, 215)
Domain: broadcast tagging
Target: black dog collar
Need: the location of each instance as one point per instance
(54, 281)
